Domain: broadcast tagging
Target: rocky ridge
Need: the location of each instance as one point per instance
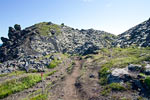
(136, 36)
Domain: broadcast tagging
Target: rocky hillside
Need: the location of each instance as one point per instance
(56, 62)
(137, 36)
(45, 38)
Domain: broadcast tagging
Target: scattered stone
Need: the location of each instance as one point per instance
(52, 57)
(92, 76)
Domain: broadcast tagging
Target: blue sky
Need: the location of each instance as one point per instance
(114, 16)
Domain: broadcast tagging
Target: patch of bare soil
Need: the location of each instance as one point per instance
(88, 83)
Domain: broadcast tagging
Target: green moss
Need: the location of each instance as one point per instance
(45, 29)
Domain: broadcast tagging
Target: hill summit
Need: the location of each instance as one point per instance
(46, 37)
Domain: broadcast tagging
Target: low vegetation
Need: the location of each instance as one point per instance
(16, 85)
(15, 73)
(103, 73)
(112, 87)
(40, 97)
(120, 58)
(70, 68)
(116, 87)
(147, 81)
(54, 63)
(57, 60)
(46, 29)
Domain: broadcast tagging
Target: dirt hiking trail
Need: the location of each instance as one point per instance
(70, 92)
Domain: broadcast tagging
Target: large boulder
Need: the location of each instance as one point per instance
(119, 75)
(124, 74)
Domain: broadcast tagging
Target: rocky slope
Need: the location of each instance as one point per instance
(23, 47)
(137, 36)
(44, 38)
